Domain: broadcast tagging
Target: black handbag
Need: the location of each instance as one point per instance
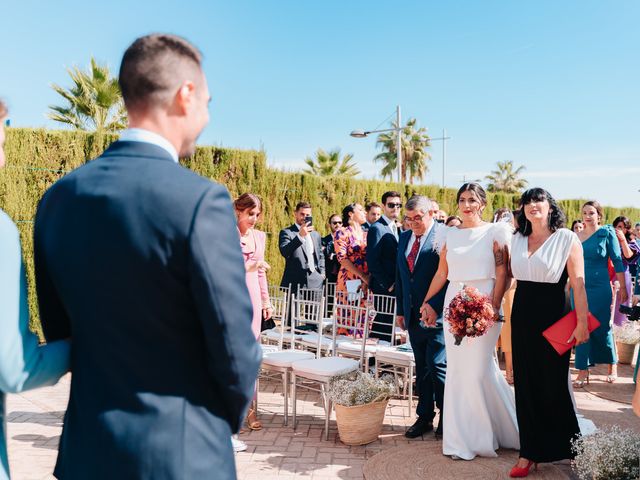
(267, 324)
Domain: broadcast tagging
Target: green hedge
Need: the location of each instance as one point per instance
(37, 158)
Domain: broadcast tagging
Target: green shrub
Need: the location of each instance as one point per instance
(36, 158)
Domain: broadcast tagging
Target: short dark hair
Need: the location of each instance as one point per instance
(371, 205)
(573, 224)
(331, 217)
(595, 204)
(476, 189)
(302, 205)
(452, 217)
(389, 194)
(556, 218)
(153, 66)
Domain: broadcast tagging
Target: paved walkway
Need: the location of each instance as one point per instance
(35, 421)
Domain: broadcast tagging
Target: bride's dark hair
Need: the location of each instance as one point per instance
(556, 218)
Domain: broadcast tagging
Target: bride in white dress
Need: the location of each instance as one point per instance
(479, 406)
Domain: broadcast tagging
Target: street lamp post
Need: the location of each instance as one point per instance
(398, 129)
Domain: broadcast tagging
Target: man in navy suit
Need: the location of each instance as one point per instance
(138, 262)
(417, 264)
(382, 248)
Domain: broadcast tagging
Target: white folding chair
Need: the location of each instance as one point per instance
(278, 364)
(377, 305)
(401, 364)
(280, 301)
(321, 370)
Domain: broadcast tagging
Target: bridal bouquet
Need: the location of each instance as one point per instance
(470, 314)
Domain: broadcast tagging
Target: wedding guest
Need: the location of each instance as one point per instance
(599, 244)
(453, 221)
(630, 251)
(440, 216)
(416, 264)
(404, 225)
(137, 260)
(543, 253)
(301, 247)
(382, 248)
(577, 226)
(351, 250)
(248, 208)
(23, 364)
(636, 229)
(374, 212)
(332, 266)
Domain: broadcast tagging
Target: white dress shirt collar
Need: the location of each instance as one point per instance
(147, 136)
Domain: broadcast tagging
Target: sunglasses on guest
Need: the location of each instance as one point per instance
(336, 223)
(394, 205)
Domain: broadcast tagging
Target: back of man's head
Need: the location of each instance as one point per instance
(154, 67)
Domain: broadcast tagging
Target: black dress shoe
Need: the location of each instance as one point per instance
(419, 428)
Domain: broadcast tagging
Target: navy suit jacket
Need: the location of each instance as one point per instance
(296, 267)
(382, 247)
(411, 288)
(138, 261)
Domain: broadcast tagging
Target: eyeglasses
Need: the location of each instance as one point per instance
(394, 205)
(417, 218)
(336, 223)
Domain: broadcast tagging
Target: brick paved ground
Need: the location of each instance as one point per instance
(35, 420)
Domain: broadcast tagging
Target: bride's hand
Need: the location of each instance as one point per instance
(428, 315)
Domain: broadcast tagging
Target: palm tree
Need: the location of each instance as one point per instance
(414, 154)
(506, 179)
(328, 164)
(94, 102)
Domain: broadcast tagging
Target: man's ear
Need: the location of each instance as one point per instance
(185, 96)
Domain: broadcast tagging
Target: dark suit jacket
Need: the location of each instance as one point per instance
(382, 248)
(138, 261)
(411, 288)
(296, 267)
(331, 264)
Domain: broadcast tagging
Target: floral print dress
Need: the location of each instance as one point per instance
(348, 246)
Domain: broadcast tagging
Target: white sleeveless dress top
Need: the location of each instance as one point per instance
(547, 263)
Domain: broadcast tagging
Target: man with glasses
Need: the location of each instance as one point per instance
(417, 264)
(382, 247)
(331, 264)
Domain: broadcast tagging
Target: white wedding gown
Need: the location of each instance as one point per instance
(479, 406)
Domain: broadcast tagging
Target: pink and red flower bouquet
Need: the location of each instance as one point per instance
(470, 314)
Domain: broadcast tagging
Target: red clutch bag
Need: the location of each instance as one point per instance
(558, 333)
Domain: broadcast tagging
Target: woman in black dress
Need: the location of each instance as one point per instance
(543, 255)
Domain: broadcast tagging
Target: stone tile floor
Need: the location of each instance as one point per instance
(35, 419)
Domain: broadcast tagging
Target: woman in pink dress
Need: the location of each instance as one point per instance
(248, 209)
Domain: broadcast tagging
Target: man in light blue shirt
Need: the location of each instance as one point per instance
(23, 364)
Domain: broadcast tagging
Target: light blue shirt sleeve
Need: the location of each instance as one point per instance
(23, 363)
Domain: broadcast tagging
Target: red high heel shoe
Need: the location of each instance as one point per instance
(521, 472)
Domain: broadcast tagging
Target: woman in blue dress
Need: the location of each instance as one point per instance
(599, 244)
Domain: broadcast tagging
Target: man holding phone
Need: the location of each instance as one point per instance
(301, 247)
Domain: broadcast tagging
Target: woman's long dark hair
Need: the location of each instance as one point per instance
(627, 226)
(345, 214)
(556, 219)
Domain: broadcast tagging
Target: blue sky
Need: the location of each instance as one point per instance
(554, 86)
